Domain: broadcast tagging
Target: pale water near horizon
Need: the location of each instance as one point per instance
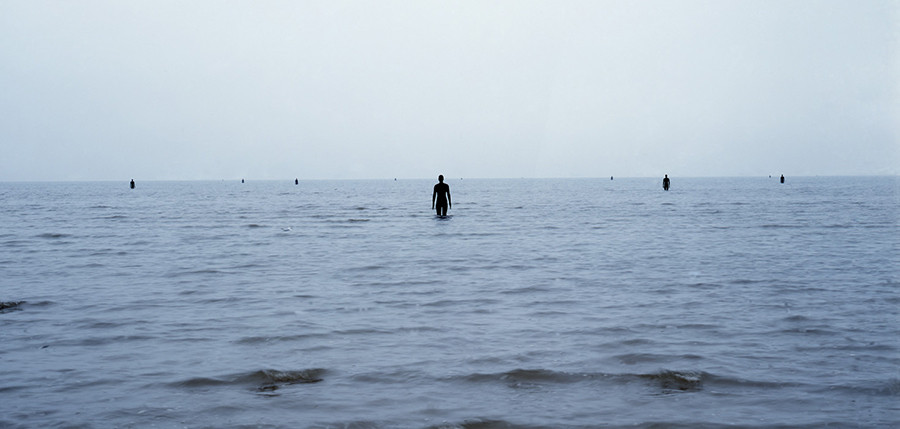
(578, 303)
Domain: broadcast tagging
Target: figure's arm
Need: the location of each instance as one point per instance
(433, 196)
(449, 203)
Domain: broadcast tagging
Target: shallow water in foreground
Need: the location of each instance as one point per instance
(538, 304)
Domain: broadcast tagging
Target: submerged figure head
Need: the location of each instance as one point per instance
(440, 198)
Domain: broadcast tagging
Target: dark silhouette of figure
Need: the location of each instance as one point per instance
(296, 181)
(132, 183)
(666, 183)
(610, 177)
(441, 195)
(242, 180)
(782, 178)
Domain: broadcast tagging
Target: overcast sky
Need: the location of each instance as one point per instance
(113, 90)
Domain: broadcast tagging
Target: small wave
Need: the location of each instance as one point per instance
(389, 377)
(525, 290)
(880, 388)
(745, 282)
(478, 234)
(369, 268)
(83, 266)
(250, 265)
(8, 389)
(454, 302)
(278, 338)
(705, 286)
(668, 381)
(483, 424)
(117, 340)
(10, 306)
(265, 380)
(635, 358)
(779, 226)
(796, 318)
(15, 243)
(808, 331)
(404, 283)
(704, 326)
(683, 381)
(518, 377)
(101, 325)
(362, 332)
(53, 235)
(193, 272)
(890, 387)
(254, 225)
(634, 341)
(102, 252)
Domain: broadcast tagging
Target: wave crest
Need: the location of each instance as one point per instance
(263, 380)
(667, 380)
(684, 381)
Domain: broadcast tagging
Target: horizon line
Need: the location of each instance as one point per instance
(613, 177)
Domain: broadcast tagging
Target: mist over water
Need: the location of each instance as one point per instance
(537, 304)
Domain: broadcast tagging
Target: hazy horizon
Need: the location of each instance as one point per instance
(205, 90)
(448, 179)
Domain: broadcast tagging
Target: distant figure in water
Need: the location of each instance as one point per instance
(666, 183)
(441, 194)
(132, 183)
(242, 180)
(296, 181)
(782, 178)
(610, 178)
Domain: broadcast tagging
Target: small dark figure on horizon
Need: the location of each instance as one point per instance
(441, 194)
(782, 178)
(132, 183)
(296, 181)
(666, 183)
(242, 180)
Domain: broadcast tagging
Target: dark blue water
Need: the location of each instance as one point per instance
(538, 304)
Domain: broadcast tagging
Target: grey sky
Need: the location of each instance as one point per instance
(112, 90)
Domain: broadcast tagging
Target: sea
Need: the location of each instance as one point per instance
(538, 303)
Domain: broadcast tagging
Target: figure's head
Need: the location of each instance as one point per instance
(441, 178)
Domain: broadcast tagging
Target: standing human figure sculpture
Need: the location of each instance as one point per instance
(666, 183)
(441, 196)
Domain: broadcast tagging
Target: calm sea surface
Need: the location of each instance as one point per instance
(538, 304)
